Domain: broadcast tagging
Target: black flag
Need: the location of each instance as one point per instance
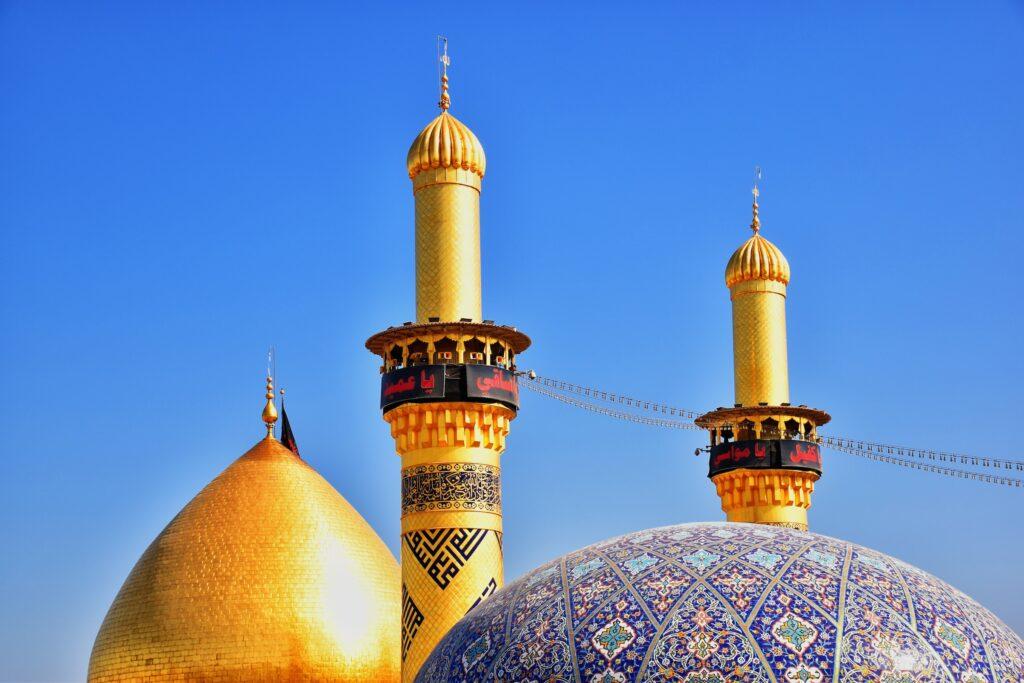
(287, 438)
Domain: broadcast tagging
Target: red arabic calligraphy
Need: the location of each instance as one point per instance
(400, 387)
(808, 453)
(737, 454)
(427, 382)
(497, 381)
(734, 454)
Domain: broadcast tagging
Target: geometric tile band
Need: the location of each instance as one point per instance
(451, 486)
(411, 620)
(443, 552)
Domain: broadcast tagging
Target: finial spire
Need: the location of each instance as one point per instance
(270, 410)
(443, 63)
(755, 224)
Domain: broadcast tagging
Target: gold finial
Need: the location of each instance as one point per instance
(755, 224)
(270, 410)
(443, 63)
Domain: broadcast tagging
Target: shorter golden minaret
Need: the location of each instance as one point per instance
(764, 456)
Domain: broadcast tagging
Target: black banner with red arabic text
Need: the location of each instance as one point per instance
(449, 383)
(407, 384)
(764, 454)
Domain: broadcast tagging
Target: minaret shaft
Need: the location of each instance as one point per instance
(450, 450)
(760, 362)
(448, 252)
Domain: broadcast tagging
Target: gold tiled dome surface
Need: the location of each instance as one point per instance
(757, 259)
(267, 574)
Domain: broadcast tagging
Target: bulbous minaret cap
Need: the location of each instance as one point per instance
(446, 142)
(757, 259)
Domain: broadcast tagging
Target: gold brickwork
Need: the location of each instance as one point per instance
(446, 572)
(448, 252)
(456, 519)
(267, 574)
(779, 497)
(760, 363)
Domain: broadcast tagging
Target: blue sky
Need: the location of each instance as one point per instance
(185, 184)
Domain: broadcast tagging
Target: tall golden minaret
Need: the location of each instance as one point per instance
(449, 392)
(764, 456)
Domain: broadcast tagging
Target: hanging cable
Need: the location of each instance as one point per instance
(539, 388)
(937, 469)
(557, 385)
(848, 446)
(923, 454)
(612, 397)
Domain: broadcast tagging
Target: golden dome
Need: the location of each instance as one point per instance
(757, 259)
(267, 574)
(446, 142)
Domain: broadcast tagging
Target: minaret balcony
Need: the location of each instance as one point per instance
(764, 437)
(461, 361)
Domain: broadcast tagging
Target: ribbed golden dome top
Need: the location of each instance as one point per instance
(267, 574)
(757, 258)
(446, 142)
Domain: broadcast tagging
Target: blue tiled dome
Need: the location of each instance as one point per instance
(711, 603)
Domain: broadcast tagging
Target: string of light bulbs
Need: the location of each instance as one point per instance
(609, 412)
(937, 469)
(614, 397)
(899, 455)
(922, 453)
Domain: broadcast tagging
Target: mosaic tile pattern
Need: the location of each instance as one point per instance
(718, 602)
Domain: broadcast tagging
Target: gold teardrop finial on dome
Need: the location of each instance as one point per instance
(446, 100)
(270, 410)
